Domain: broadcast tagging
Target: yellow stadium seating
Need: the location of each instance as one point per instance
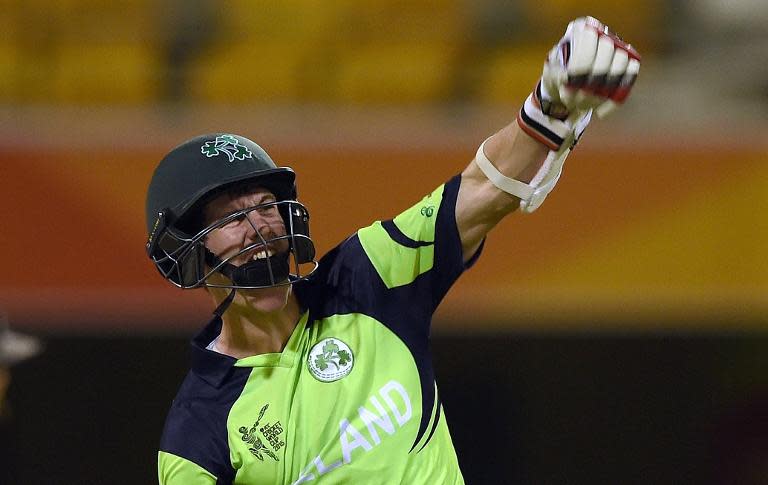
(511, 74)
(395, 74)
(399, 52)
(632, 19)
(284, 51)
(273, 52)
(384, 21)
(8, 72)
(86, 51)
(246, 72)
(289, 21)
(106, 74)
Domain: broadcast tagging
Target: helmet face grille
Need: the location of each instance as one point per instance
(187, 263)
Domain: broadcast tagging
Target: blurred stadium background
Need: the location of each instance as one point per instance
(617, 335)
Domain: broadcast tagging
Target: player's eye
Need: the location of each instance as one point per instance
(267, 209)
(234, 221)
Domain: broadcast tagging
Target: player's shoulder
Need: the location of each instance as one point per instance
(356, 275)
(196, 424)
(197, 408)
(345, 263)
(214, 392)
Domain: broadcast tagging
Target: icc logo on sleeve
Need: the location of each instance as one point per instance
(330, 360)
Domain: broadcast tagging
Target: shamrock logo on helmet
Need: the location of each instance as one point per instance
(228, 145)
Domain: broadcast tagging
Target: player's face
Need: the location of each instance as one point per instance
(253, 227)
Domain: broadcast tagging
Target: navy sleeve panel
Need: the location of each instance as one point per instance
(196, 427)
(449, 254)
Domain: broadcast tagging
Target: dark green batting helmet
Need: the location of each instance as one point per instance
(191, 175)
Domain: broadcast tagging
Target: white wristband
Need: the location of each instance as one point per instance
(502, 182)
(533, 195)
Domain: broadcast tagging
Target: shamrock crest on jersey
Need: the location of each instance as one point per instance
(330, 360)
(228, 145)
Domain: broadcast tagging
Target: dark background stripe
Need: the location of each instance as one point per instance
(661, 409)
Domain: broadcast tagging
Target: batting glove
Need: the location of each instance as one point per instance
(590, 70)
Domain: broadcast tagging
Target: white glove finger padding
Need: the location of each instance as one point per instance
(615, 75)
(627, 81)
(618, 68)
(602, 64)
(582, 55)
(596, 63)
(607, 107)
(621, 78)
(582, 50)
(554, 74)
(593, 91)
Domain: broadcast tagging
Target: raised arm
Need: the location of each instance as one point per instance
(480, 204)
(591, 70)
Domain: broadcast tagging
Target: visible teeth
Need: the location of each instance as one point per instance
(263, 254)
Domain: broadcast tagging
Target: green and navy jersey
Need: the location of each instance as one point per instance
(352, 397)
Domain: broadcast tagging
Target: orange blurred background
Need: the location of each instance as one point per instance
(658, 220)
(654, 232)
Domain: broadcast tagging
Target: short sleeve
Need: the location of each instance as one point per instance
(421, 243)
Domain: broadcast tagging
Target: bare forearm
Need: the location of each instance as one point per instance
(514, 154)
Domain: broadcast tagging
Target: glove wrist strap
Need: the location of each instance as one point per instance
(502, 182)
(545, 129)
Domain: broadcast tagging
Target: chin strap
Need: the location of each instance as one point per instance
(263, 273)
(219, 311)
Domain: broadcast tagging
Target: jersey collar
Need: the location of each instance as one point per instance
(210, 366)
(214, 367)
(286, 358)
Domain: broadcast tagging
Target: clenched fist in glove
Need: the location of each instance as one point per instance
(590, 70)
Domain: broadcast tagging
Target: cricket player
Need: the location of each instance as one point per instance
(318, 370)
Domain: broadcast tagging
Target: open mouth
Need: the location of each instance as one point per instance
(263, 254)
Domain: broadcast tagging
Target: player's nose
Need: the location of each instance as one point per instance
(256, 227)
